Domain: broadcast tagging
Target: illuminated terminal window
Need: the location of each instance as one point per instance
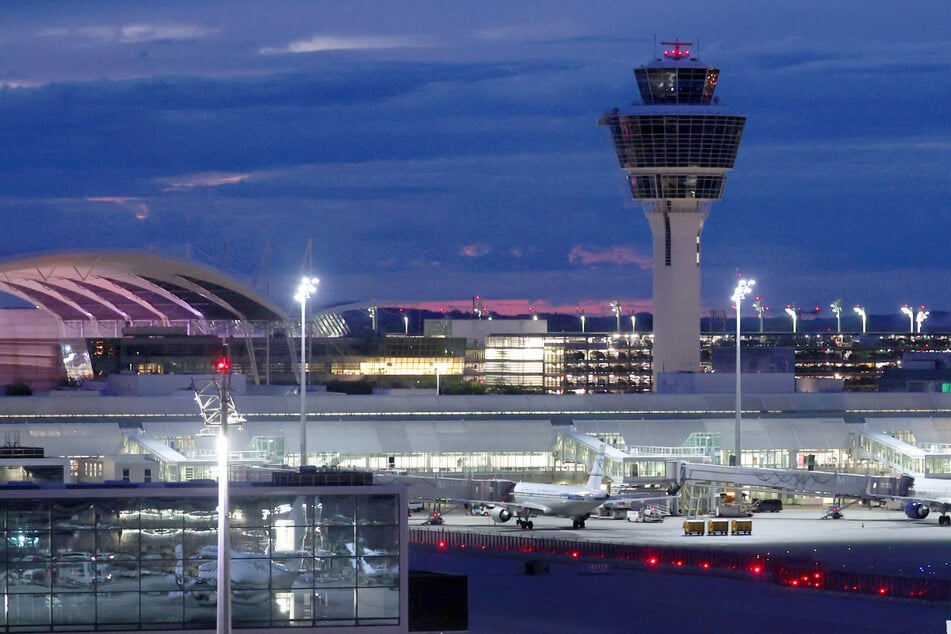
(145, 558)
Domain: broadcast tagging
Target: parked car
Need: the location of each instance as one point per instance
(771, 505)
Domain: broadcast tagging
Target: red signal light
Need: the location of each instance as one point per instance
(223, 365)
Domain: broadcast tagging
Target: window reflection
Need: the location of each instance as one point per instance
(151, 563)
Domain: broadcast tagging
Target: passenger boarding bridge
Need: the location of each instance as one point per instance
(835, 485)
(898, 455)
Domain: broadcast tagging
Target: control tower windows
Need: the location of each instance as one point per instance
(643, 141)
(666, 186)
(676, 85)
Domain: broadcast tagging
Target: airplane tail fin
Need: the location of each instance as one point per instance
(597, 471)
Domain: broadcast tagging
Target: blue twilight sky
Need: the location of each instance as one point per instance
(435, 150)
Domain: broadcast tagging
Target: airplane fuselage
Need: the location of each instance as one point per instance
(558, 500)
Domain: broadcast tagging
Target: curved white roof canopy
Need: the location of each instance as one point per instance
(131, 287)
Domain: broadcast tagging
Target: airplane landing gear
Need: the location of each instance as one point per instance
(577, 524)
(526, 524)
(944, 520)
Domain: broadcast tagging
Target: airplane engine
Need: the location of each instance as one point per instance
(917, 510)
(501, 514)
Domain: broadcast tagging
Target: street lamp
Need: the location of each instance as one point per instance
(307, 287)
(792, 313)
(860, 310)
(760, 309)
(920, 317)
(837, 310)
(406, 324)
(743, 288)
(223, 579)
(616, 309)
(372, 312)
(633, 323)
(911, 318)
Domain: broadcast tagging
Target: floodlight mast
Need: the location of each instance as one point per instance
(743, 288)
(920, 317)
(911, 317)
(837, 310)
(760, 309)
(860, 311)
(307, 287)
(223, 580)
(793, 315)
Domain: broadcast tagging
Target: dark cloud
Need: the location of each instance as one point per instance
(401, 165)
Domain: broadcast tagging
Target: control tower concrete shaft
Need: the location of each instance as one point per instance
(676, 147)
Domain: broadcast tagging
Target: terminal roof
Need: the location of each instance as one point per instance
(131, 287)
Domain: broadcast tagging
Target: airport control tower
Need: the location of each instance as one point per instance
(676, 148)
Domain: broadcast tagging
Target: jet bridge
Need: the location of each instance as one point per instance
(796, 481)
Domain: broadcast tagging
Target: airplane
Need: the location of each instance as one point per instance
(248, 570)
(530, 499)
(922, 495)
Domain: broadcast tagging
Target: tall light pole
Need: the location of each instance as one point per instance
(633, 322)
(760, 309)
(792, 313)
(920, 317)
(372, 312)
(616, 309)
(860, 310)
(223, 579)
(307, 287)
(911, 317)
(582, 322)
(405, 324)
(837, 310)
(743, 288)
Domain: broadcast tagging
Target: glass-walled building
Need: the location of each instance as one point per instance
(570, 363)
(144, 557)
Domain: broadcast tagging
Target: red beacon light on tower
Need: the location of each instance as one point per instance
(677, 53)
(223, 365)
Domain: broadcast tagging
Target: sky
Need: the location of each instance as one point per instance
(429, 151)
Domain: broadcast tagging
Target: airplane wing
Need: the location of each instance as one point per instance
(517, 507)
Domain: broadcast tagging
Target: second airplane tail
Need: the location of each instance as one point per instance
(597, 471)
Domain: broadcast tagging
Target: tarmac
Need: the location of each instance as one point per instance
(606, 597)
(865, 539)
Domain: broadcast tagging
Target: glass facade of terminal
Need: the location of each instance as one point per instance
(144, 558)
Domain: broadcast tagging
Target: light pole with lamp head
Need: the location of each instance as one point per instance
(743, 288)
(837, 311)
(911, 318)
(920, 317)
(223, 578)
(760, 309)
(860, 311)
(616, 309)
(792, 314)
(307, 287)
